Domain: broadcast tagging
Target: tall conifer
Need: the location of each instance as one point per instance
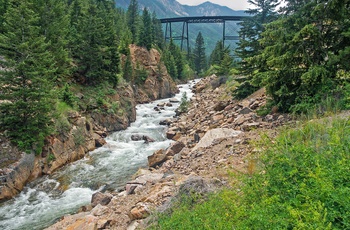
(27, 80)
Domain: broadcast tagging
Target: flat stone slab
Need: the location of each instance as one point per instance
(214, 134)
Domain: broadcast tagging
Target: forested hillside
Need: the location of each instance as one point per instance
(54, 52)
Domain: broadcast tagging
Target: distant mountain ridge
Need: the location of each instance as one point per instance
(172, 8)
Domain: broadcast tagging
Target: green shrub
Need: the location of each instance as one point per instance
(183, 108)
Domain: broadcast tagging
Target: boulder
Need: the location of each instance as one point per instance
(99, 141)
(173, 100)
(132, 185)
(215, 134)
(147, 139)
(136, 137)
(250, 126)
(245, 110)
(170, 134)
(174, 148)
(221, 105)
(140, 211)
(14, 182)
(166, 122)
(100, 198)
(219, 117)
(156, 158)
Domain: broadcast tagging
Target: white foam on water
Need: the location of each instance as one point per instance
(44, 201)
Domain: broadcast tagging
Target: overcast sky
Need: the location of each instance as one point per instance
(234, 4)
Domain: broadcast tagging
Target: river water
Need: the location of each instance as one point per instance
(45, 200)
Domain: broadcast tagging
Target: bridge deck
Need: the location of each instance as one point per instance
(204, 19)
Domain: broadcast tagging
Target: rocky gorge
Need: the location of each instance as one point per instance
(85, 130)
(210, 139)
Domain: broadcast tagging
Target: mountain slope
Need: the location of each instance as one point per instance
(172, 8)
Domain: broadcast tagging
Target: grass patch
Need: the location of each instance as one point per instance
(303, 183)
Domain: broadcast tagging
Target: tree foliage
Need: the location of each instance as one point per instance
(298, 55)
(50, 45)
(146, 36)
(27, 80)
(249, 44)
(200, 60)
(302, 58)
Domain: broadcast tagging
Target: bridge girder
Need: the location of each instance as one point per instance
(199, 19)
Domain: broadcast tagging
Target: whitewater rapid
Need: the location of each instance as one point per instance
(47, 199)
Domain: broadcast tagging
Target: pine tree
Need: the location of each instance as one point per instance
(94, 42)
(175, 51)
(199, 54)
(170, 64)
(157, 32)
(218, 54)
(133, 19)
(54, 26)
(225, 64)
(3, 8)
(301, 55)
(27, 82)
(249, 45)
(145, 36)
(127, 69)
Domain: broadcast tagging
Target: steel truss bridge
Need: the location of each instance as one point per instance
(201, 19)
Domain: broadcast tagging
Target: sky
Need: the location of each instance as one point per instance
(233, 4)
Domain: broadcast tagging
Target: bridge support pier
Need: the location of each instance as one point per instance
(202, 19)
(184, 35)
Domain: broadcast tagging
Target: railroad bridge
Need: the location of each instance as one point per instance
(201, 19)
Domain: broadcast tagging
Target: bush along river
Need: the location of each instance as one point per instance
(47, 199)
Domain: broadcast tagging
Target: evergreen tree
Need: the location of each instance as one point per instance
(225, 65)
(200, 62)
(127, 69)
(157, 32)
(249, 45)
(3, 8)
(133, 19)
(175, 51)
(145, 36)
(303, 53)
(170, 64)
(27, 82)
(94, 42)
(54, 26)
(218, 54)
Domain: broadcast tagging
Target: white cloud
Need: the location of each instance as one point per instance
(233, 4)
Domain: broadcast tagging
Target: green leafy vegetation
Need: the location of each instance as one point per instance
(299, 181)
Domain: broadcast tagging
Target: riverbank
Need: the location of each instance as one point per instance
(82, 129)
(210, 139)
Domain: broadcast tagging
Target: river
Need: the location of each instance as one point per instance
(45, 200)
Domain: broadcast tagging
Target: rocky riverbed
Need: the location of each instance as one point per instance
(211, 139)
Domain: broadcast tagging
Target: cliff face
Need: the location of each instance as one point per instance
(86, 131)
(158, 84)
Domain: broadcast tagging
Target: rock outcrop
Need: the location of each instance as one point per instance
(158, 84)
(14, 181)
